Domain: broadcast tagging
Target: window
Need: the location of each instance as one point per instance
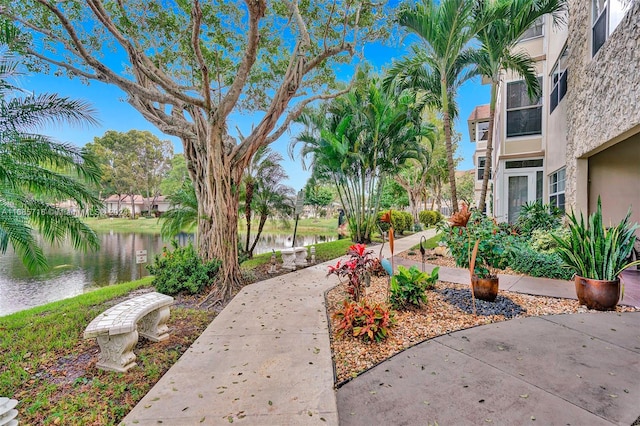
(534, 30)
(482, 131)
(524, 115)
(558, 81)
(523, 164)
(556, 189)
(481, 165)
(605, 17)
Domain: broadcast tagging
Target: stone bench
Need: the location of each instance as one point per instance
(118, 327)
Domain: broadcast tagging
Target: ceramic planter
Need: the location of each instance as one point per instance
(597, 294)
(485, 288)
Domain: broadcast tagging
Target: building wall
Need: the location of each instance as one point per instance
(603, 95)
(555, 141)
(614, 175)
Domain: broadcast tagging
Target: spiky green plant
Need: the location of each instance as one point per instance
(595, 252)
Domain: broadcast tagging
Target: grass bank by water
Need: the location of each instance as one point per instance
(47, 365)
(325, 226)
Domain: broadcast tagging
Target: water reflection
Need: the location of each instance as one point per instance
(73, 272)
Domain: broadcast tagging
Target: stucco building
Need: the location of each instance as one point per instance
(581, 138)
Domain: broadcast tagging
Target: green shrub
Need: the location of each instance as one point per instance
(493, 248)
(542, 241)
(401, 221)
(408, 286)
(182, 270)
(527, 261)
(367, 321)
(536, 215)
(429, 217)
(408, 221)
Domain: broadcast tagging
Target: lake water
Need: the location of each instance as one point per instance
(74, 272)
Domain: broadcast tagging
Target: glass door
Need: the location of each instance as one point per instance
(518, 194)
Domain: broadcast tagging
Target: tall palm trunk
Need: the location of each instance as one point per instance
(447, 140)
(489, 154)
(263, 220)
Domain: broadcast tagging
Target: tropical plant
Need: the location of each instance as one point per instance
(370, 322)
(183, 212)
(595, 252)
(182, 270)
(435, 73)
(493, 243)
(357, 142)
(357, 269)
(271, 197)
(409, 286)
(263, 191)
(37, 172)
(537, 216)
(501, 24)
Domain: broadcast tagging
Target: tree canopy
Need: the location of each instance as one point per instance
(188, 65)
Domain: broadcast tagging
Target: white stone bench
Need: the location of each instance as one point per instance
(118, 327)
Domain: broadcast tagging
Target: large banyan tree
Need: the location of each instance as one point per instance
(187, 65)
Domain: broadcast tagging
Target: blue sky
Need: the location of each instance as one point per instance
(115, 114)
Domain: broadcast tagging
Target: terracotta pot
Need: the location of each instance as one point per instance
(597, 294)
(485, 288)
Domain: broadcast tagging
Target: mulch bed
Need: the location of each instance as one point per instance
(447, 310)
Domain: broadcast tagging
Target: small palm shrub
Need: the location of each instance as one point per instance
(535, 215)
(592, 251)
(409, 286)
(182, 270)
(369, 322)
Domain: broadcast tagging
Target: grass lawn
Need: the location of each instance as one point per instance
(431, 243)
(152, 226)
(47, 365)
(142, 225)
(324, 252)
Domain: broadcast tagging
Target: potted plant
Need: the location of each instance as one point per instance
(467, 228)
(597, 255)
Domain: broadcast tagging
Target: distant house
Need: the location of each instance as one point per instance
(115, 205)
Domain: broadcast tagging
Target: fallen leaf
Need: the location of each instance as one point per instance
(526, 395)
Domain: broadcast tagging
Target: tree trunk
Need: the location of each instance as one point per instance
(249, 184)
(447, 140)
(489, 153)
(217, 185)
(263, 220)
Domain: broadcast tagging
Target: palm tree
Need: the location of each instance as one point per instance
(183, 211)
(362, 138)
(264, 164)
(446, 28)
(496, 55)
(37, 172)
(271, 197)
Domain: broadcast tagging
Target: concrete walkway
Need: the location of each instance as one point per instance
(265, 360)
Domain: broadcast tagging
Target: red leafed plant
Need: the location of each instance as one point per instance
(367, 321)
(357, 269)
